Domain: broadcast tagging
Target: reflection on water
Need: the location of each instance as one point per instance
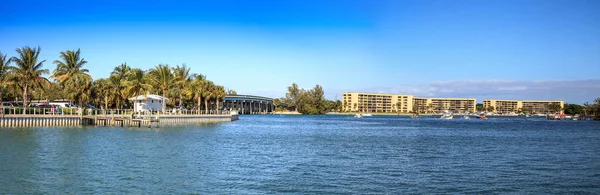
(306, 155)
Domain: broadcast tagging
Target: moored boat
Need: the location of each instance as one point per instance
(447, 115)
(482, 116)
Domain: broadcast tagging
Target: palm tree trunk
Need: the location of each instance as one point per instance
(25, 98)
(217, 104)
(180, 98)
(206, 104)
(118, 102)
(164, 94)
(135, 102)
(80, 107)
(199, 103)
(1, 103)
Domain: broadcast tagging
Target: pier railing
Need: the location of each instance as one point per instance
(106, 112)
(32, 117)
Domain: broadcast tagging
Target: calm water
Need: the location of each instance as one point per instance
(308, 155)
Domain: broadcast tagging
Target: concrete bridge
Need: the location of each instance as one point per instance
(249, 104)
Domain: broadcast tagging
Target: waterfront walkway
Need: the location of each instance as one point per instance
(36, 117)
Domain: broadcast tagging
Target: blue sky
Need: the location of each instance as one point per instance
(517, 49)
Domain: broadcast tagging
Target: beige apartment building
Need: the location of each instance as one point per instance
(403, 103)
(456, 105)
(527, 106)
(374, 102)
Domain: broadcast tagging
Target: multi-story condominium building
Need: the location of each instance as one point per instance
(372, 102)
(440, 104)
(527, 106)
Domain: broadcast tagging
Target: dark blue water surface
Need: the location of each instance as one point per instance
(308, 155)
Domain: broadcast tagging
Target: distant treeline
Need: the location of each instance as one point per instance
(311, 101)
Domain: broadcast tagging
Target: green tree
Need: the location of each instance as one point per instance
(52, 91)
(117, 79)
(208, 93)
(294, 96)
(276, 102)
(318, 97)
(162, 77)
(4, 75)
(479, 107)
(70, 73)
(306, 104)
(102, 93)
(573, 109)
(231, 92)
(196, 88)
(28, 71)
(554, 107)
(182, 78)
(219, 94)
(136, 83)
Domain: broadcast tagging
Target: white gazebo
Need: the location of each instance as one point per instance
(149, 102)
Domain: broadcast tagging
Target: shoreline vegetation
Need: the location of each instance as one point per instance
(305, 101)
(22, 80)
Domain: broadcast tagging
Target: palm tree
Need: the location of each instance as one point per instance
(219, 94)
(182, 79)
(231, 92)
(70, 72)
(118, 77)
(117, 89)
(27, 70)
(4, 75)
(102, 92)
(207, 93)
(429, 107)
(162, 77)
(196, 88)
(136, 83)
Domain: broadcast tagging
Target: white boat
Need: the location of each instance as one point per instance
(357, 116)
(367, 114)
(466, 117)
(447, 115)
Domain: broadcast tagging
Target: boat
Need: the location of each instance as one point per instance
(358, 116)
(482, 116)
(367, 114)
(447, 115)
(466, 117)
